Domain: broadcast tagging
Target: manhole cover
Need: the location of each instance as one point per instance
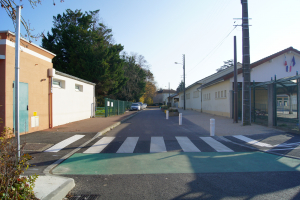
(36, 146)
(84, 197)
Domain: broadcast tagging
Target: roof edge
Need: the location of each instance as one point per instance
(73, 77)
(7, 31)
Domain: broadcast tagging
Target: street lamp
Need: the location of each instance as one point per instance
(183, 79)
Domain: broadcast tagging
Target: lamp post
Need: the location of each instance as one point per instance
(183, 79)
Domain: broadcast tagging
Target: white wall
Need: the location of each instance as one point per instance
(265, 71)
(70, 105)
(218, 105)
(193, 101)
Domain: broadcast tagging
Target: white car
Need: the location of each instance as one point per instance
(135, 106)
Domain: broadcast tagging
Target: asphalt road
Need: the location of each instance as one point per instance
(243, 173)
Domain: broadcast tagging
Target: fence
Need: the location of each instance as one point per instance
(112, 107)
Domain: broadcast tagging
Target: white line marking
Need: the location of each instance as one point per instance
(219, 147)
(59, 146)
(187, 145)
(157, 145)
(288, 144)
(251, 141)
(128, 145)
(100, 145)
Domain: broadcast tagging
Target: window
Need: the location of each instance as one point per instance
(225, 93)
(78, 88)
(221, 94)
(56, 83)
(188, 96)
(196, 94)
(208, 96)
(218, 94)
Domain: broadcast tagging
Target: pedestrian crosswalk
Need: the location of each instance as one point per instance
(178, 143)
(157, 145)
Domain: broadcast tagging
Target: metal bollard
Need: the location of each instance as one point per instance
(212, 127)
(180, 118)
(167, 114)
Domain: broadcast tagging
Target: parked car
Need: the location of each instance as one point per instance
(144, 105)
(135, 106)
(141, 104)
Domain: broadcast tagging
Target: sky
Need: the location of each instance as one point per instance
(163, 30)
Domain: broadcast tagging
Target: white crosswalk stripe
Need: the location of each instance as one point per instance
(187, 145)
(128, 145)
(59, 146)
(251, 141)
(218, 146)
(157, 145)
(100, 145)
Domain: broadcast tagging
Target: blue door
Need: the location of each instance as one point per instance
(23, 107)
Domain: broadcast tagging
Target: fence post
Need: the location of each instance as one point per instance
(105, 104)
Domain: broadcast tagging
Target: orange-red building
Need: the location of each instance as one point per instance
(34, 84)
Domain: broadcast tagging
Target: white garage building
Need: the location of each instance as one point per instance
(73, 98)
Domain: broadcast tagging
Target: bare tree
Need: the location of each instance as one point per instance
(10, 7)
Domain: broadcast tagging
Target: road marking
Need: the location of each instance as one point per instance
(59, 146)
(157, 145)
(100, 145)
(251, 141)
(128, 145)
(187, 145)
(219, 147)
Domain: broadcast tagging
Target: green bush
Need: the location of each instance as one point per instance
(12, 184)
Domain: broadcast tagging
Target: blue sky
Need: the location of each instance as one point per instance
(163, 30)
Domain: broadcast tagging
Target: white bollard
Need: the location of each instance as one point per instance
(167, 114)
(180, 118)
(212, 127)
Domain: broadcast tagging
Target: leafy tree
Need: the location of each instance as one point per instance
(136, 77)
(180, 87)
(150, 90)
(226, 65)
(83, 49)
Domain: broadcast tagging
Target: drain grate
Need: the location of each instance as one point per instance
(84, 197)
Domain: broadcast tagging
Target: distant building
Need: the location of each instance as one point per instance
(161, 96)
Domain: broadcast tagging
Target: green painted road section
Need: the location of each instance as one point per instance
(175, 162)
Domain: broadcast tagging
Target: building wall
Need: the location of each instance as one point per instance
(193, 98)
(2, 88)
(158, 98)
(70, 105)
(33, 68)
(265, 71)
(217, 104)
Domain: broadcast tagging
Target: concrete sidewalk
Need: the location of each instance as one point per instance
(224, 126)
(52, 187)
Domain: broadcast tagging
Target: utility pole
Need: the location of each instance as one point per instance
(235, 111)
(169, 92)
(17, 69)
(184, 80)
(246, 65)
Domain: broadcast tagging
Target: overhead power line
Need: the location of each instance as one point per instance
(217, 46)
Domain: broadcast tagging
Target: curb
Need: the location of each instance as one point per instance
(50, 183)
(69, 184)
